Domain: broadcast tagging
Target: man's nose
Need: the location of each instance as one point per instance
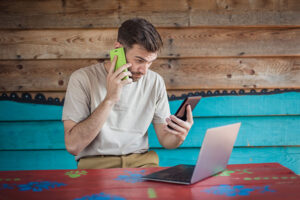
(143, 69)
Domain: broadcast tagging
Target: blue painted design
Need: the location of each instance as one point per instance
(231, 93)
(40, 186)
(100, 196)
(265, 189)
(236, 190)
(34, 186)
(27, 98)
(41, 99)
(131, 177)
(6, 186)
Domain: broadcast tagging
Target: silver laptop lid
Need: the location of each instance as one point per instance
(215, 151)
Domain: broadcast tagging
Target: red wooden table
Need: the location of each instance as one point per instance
(245, 181)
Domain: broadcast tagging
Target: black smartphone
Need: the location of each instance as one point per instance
(181, 112)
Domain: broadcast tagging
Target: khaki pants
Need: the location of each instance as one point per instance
(148, 159)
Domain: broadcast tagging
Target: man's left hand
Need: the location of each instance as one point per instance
(180, 127)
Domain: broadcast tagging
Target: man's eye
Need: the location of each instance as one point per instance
(139, 61)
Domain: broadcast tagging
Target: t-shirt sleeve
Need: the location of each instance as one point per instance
(77, 101)
(162, 108)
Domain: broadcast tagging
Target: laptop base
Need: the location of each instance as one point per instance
(180, 174)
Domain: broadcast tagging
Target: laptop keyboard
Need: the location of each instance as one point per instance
(180, 173)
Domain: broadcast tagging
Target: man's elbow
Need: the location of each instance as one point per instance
(168, 146)
(71, 147)
(72, 150)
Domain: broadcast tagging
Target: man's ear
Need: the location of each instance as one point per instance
(118, 45)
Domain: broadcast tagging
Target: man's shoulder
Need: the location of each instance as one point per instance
(154, 82)
(88, 71)
(155, 77)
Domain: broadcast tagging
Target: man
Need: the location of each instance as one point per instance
(106, 117)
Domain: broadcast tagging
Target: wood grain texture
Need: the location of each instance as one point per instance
(44, 75)
(178, 43)
(37, 14)
(17, 14)
(244, 12)
(160, 13)
(179, 74)
(229, 73)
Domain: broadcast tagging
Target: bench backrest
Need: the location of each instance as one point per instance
(32, 135)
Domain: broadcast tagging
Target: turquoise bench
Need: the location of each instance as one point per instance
(32, 135)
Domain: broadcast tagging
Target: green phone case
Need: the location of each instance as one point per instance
(121, 58)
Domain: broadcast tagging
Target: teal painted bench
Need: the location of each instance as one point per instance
(32, 135)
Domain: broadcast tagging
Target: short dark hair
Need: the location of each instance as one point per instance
(139, 31)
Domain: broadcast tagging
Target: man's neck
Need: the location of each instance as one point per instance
(107, 65)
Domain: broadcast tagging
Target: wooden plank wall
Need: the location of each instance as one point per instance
(209, 46)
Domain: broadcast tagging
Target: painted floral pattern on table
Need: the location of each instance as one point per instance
(100, 196)
(236, 190)
(131, 177)
(76, 174)
(33, 186)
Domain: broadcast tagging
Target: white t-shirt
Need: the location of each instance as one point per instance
(125, 130)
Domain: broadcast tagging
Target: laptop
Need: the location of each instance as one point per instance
(213, 158)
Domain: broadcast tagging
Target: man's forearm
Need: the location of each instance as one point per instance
(83, 133)
(171, 141)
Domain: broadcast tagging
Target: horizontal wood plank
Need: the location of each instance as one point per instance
(178, 42)
(15, 111)
(244, 12)
(17, 14)
(251, 105)
(179, 74)
(43, 75)
(32, 135)
(244, 18)
(255, 131)
(61, 159)
(37, 14)
(213, 73)
(36, 160)
(245, 5)
(160, 13)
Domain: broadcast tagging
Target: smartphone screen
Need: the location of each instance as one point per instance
(181, 112)
(121, 58)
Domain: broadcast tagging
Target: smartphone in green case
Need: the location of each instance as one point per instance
(121, 58)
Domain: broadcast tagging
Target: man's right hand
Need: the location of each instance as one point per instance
(114, 82)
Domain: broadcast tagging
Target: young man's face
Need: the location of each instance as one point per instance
(140, 59)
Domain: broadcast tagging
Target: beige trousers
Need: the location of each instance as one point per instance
(135, 160)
